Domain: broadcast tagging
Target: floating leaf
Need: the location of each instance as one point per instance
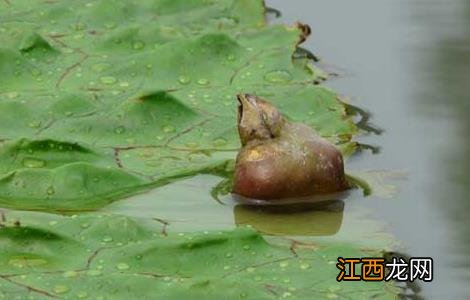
(116, 257)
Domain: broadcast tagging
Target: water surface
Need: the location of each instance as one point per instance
(407, 62)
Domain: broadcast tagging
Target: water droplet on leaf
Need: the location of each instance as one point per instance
(12, 95)
(122, 266)
(107, 239)
(110, 25)
(82, 295)
(36, 72)
(219, 142)
(93, 272)
(168, 129)
(137, 45)
(278, 76)
(50, 190)
(184, 79)
(108, 80)
(61, 289)
(203, 81)
(69, 274)
(100, 67)
(119, 129)
(33, 163)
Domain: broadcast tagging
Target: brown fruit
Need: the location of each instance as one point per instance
(280, 159)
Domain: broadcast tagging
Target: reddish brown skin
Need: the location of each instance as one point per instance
(295, 163)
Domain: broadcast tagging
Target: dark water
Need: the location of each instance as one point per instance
(408, 63)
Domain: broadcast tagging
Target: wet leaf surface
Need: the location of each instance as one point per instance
(115, 103)
(116, 257)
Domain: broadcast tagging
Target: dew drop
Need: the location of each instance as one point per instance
(219, 142)
(108, 80)
(82, 295)
(21, 261)
(33, 163)
(124, 84)
(229, 255)
(231, 57)
(12, 95)
(304, 266)
(50, 190)
(183, 79)
(110, 25)
(107, 239)
(283, 264)
(168, 129)
(61, 289)
(138, 45)
(278, 76)
(203, 81)
(52, 223)
(246, 247)
(122, 266)
(69, 274)
(119, 129)
(36, 72)
(286, 294)
(100, 67)
(250, 269)
(93, 273)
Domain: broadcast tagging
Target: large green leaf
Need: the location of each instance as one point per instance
(102, 99)
(115, 257)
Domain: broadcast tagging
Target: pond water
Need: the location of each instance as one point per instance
(408, 63)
